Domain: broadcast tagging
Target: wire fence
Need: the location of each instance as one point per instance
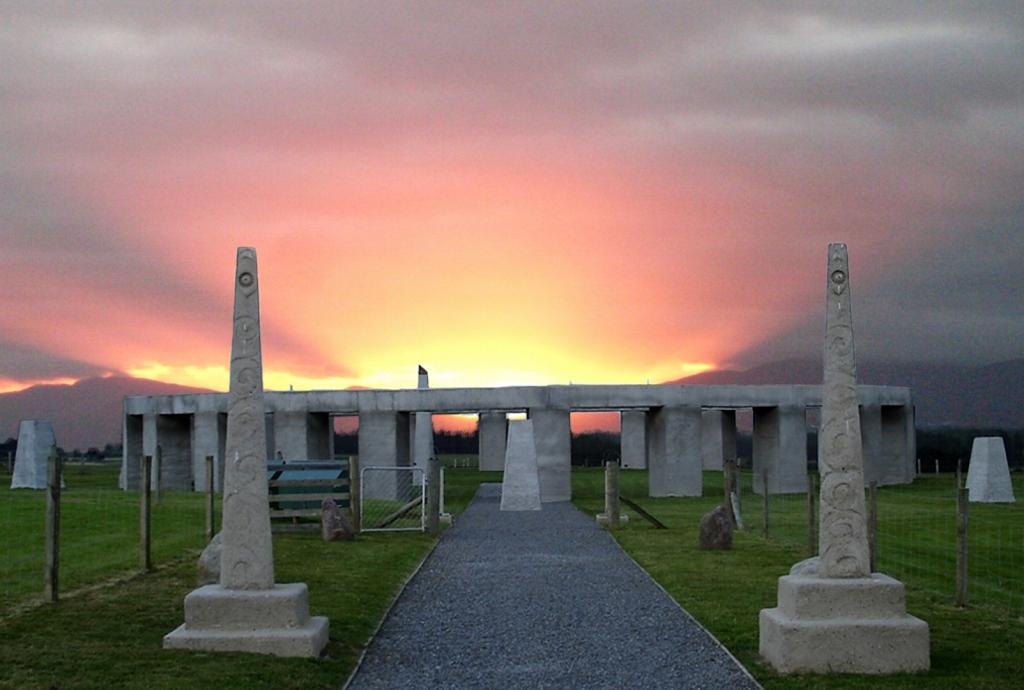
(916, 538)
(392, 499)
(99, 531)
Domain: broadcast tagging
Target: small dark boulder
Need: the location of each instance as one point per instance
(716, 530)
(334, 524)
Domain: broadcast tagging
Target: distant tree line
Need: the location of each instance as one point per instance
(593, 448)
(110, 450)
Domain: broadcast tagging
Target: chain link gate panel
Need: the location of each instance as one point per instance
(392, 499)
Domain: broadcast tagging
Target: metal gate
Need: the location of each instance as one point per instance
(392, 499)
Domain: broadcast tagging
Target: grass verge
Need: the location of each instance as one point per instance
(974, 648)
(111, 637)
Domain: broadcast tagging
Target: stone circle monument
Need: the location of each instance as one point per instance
(247, 611)
(834, 615)
(35, 439)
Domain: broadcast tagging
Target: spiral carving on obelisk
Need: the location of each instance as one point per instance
(843, 543)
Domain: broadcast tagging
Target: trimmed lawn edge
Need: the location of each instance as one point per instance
(680, 607)
(387, 612)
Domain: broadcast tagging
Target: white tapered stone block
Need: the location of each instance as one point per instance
(988, 476)
(35, 439)
(520, 486)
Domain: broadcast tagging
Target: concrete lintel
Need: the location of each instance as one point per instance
(515, 398)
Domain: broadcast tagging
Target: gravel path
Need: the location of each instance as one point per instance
(539, 600)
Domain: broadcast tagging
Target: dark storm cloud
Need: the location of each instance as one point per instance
(20, 363)
(894, 126)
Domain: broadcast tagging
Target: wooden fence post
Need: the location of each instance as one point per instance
(764, 503)
(961, 547)
(211, 521)
(873, 526)
(51, 574)
(354, 493)
(611, 493)
(145, 563)
(158, 462)
(729, 485)
(737, 496)
(812, 515)
(433, 507)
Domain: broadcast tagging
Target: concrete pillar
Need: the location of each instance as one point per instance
(718, 437)
(674, 451)
(319, 434)
(422, 427)
(780, 447)
(301, 435)
(898, 445)
(423, 438)
(289, 435)
(384, 442)
(552, 436)
(491, 435)
(269, 419)
(632, 442)
(222, 437)
(149, 434)
(205, 441)
(871, 442)
(131, 445)
(174, 436)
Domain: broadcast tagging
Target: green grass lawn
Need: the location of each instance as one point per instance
(110, 636)
(978, 647)
(99, 536)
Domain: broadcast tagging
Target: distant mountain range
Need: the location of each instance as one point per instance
(88, 413)
(944, 394)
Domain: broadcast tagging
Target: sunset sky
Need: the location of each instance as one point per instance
(506, 193)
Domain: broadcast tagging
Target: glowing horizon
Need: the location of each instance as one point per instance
(618, 195)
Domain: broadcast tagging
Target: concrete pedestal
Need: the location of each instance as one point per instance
(262, 621)
(842, 625)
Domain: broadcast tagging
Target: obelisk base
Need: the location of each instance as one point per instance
(261, 621)
(842, 625)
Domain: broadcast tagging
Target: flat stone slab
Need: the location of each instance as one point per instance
(539, 599)
(306, 641)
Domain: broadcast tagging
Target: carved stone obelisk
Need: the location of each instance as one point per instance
(247, 612)
(834, 614)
